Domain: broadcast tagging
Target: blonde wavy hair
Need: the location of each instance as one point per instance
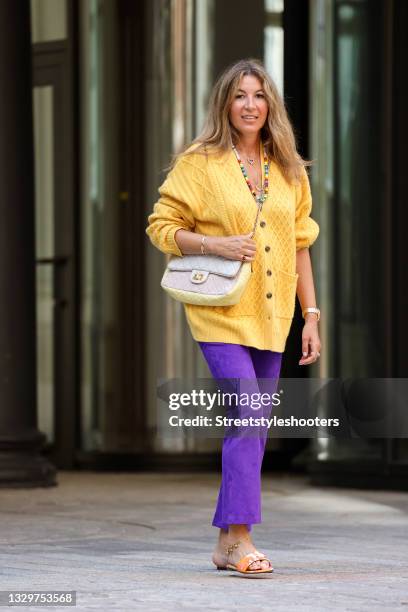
(218, 134)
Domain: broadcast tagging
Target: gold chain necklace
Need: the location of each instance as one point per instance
(251, 161)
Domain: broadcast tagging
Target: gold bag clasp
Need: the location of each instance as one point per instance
(199, 276)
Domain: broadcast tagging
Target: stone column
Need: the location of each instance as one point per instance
(21, 464)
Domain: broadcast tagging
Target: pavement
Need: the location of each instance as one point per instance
(135, 541)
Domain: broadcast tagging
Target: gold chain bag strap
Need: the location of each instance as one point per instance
(207, 280)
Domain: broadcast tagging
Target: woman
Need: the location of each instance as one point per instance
(245, 155)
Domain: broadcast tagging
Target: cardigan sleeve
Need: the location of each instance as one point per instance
(306, 228)
(180, 197)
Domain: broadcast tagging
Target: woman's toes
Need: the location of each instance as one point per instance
(254, 565)
(265, 564)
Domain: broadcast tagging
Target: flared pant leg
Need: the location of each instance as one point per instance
(239, 497)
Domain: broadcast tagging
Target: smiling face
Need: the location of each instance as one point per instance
(249, 107)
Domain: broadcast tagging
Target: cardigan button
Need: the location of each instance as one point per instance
(267, 248)
(269, 272)
(269, 295)
(262, 224)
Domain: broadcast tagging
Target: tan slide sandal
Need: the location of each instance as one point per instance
(244, 563)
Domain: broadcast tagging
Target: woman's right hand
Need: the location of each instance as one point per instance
(232, 247)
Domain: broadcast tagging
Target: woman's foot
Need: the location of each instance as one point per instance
(220, 556)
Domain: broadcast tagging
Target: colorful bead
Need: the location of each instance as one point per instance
(264, 193)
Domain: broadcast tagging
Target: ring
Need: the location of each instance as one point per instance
(243, 258)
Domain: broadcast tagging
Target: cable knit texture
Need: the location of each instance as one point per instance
(208, 194)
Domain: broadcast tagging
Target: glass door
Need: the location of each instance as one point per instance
(54, 235)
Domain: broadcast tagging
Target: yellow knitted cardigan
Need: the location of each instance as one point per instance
(208, 194)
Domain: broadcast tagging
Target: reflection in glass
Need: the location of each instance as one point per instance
(346, 184)
(274, 54)
(44, 247)
(359, 180)
(103, 410)
(48, 20)
(274, 6)
(273, 41)
(45, 350)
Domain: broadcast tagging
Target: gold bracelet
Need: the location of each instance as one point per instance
(202, 246)
(316, 311)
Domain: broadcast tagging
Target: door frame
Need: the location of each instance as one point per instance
(55, 63)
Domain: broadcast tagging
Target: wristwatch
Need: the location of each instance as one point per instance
(311, 309)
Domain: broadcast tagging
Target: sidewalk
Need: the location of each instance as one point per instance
(144, 540)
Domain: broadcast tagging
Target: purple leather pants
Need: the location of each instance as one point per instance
(239, 498)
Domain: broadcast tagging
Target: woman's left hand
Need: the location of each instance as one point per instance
(310, 342)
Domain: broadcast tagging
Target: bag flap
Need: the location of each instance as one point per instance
(207, 263)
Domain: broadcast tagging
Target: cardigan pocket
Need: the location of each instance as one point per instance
(285, 294)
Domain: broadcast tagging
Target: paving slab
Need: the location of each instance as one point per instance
(135, 541)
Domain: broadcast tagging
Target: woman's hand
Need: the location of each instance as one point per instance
(232, 247)
(310, 341)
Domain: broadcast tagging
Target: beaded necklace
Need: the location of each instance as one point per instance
(259, 199)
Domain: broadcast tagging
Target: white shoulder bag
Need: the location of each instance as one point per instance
(207, 280)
